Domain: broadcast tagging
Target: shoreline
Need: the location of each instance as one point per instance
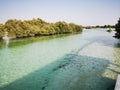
(41, 37)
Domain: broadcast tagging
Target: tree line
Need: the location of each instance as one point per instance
(98, 26)
(37, 27)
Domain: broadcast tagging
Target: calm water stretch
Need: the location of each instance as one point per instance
(86, 61)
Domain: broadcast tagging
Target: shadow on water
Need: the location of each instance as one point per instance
(2, 44)
(25, 41)
(70, 72)
(117, 44)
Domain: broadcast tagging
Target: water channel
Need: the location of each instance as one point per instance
(86, 61)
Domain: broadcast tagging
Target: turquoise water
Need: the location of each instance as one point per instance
(86, 61)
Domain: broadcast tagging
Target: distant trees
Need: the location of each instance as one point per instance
(117, 29)
(37, 27)
(104, 26)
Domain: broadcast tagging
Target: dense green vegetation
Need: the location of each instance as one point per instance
(117, 29)
(1, 31)
(37, 27)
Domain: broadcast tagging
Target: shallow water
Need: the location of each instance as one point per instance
(87, 61)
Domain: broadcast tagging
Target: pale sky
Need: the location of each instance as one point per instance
(83, 12)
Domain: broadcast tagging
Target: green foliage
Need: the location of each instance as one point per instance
(117, 29)
(75, 28)
(63, 27)
(37, 27)
(1, 31)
